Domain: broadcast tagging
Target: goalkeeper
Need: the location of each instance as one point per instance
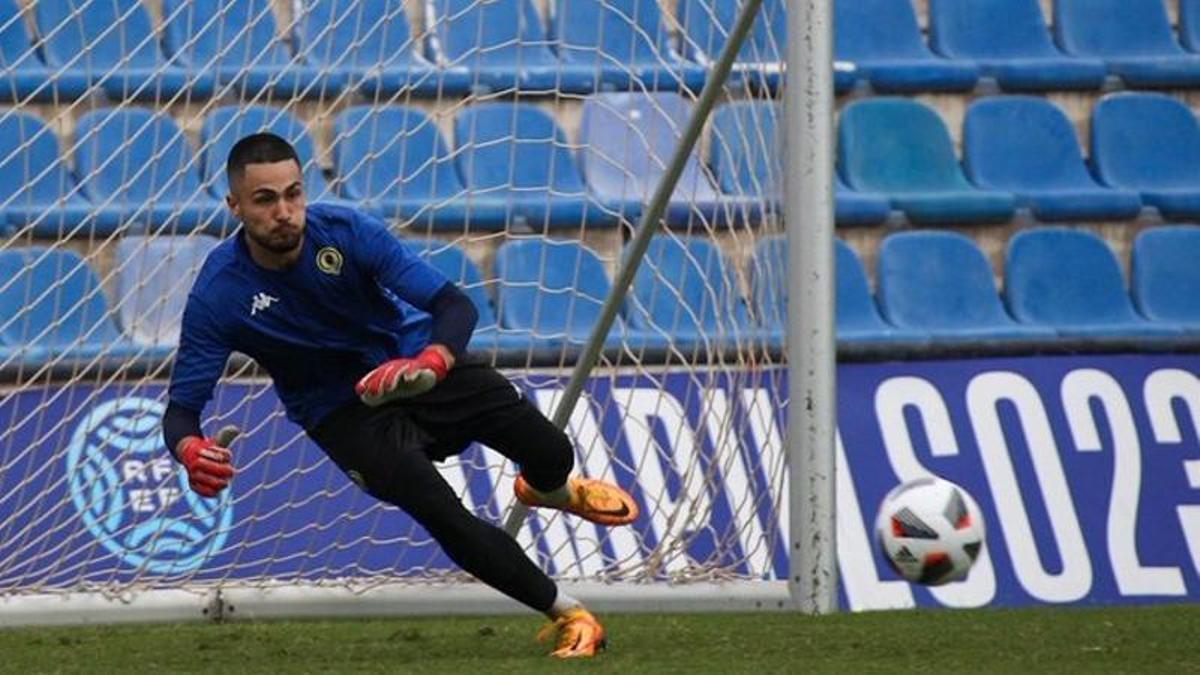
(366, 346)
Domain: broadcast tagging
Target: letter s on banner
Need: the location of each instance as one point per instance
(983, 393)
(1079, 387)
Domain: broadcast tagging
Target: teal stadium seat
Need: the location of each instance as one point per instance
(941, 283)
(901, 149)
(1070, 280)
(113, 46)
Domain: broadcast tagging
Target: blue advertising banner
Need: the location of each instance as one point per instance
(1087, 470)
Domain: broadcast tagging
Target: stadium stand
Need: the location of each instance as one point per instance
(370, 44)
(1011, 43)
(884, 42)
(113, 45)
(901, 149)
(54, 308)
(941, 283)
(138, 168)
(1149, 143)
(623, 44)
(1165, 275)
(153, 284)
(1027, 146)
(24, 75)
(1189, 24)
(36, 187)
(513, 157)
(394, 161)
(1070, 280)
(238, 41)
(1134, 37)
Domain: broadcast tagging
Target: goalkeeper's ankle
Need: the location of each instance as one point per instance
(563, 603)
(560, 496)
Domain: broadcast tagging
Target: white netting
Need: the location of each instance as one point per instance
(515, 146)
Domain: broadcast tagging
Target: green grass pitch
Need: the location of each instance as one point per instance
(1132, 639)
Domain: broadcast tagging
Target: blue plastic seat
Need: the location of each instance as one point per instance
(370, 44)
(858, 319)
(503, 46)
(883, 41)
(458, 267)
(136, 166)
(112, 44)
(394, 160)
(226, 125)
(552, 292)
(627, 141)
(1149, 143)
(1134, 38)
(1011, 43)
(1189, 24)
(1026, 145)
(685, 292)
(1070, 280)
(622, 43)
(747, 163)
(23, 74)
(238, 41)
(154, 276)
(900, 148)
(36, 189)
(52, 308)
(1165, 275)
(940, 282)
(516, 162)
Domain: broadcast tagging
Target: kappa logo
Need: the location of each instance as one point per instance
(261, 303)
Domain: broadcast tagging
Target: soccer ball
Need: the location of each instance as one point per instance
(930, 531)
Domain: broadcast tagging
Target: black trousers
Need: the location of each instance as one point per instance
(389, 451)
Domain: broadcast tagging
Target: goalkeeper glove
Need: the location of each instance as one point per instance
(208, 465)
(402, 378)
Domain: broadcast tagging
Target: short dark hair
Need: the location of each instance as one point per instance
(261, 148)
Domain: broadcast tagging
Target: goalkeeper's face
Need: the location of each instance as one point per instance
(269, 200)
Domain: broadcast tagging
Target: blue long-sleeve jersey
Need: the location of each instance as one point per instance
(354, 299)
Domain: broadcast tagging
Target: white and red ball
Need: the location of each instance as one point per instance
(931, 531)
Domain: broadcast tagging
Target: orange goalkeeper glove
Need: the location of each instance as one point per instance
(208, 465)
(403, 378)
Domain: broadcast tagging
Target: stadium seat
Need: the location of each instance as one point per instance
(1069, 280)
(113, 45)
(226, 125)
(940, 282)
(622, 43)
(1165, 275)
(744, 151)
(502, 45)
(1189, 24)
(1149, 143)
(1026, 145)
(900, 148)
(685, 290)
(514, 158)
(858, 319)
(24, 75)
(136, 166)
(1011, 43)
(54, 309)
(36, 188)
(370, 44)
(154, 276)
(1134, 38)
(883, 41)
(551, 291)
(627, 141)
(394, 160)
(238, 41)
(454, 263)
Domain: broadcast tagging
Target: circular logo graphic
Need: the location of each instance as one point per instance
(133, 498)
(329, 260)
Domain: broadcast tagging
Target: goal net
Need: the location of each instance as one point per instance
(512, 143)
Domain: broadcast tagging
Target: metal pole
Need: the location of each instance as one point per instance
(647, 226)
(811, 343)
